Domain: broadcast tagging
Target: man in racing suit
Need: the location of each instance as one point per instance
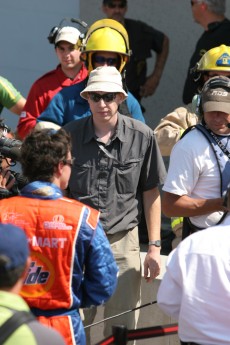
(72, 264)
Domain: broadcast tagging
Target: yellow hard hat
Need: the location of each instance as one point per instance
(105, 35)
(215, 59)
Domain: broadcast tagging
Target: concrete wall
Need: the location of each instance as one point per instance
(25, 51)
(174, 18)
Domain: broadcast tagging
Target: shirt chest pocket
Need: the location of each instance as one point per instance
(127, 176)
(80, 181)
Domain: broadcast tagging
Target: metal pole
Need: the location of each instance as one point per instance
(120, 334)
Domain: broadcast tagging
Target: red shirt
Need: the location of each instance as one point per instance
(41, 93)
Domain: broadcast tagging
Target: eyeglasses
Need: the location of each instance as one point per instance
(69, 162)
(112, 5)
(107, 97)
(102, 60)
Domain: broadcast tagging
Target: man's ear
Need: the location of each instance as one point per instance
(121, 98)
(204, 6)
(59, 168)
(103, 8)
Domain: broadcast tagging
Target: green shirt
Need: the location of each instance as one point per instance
(9, 96)
(32, 333)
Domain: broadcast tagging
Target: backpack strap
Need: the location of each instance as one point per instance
(15, 321)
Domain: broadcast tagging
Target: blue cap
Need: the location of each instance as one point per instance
(13, 245)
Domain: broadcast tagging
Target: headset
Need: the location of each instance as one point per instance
(56, 29)
(212, 83)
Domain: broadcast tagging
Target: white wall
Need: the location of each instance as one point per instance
(174, 18)
(25, 51)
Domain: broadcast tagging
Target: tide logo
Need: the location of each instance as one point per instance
(36, 275)
(40, 277)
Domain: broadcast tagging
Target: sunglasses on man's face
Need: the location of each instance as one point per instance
(113, 5)
(107, 97)
(102, 60)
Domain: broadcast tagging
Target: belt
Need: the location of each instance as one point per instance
(188, 343)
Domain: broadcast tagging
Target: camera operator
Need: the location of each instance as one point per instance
(10, 181)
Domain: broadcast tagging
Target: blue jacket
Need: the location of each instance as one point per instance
(67, 105)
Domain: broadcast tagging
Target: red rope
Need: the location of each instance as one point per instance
(143, 333)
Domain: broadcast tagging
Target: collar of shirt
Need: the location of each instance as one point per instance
(120, 130)
(213, 26)
(65, 81)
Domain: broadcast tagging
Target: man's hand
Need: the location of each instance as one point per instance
(152, 264)
(5, 181)
(149, 86)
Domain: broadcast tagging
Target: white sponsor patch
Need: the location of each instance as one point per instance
(57, 223)
(23, 114)
(219, 93)
(52, 242)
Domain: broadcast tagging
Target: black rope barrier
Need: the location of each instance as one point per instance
(121, 335)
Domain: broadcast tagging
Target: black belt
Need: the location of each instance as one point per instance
(188, 343)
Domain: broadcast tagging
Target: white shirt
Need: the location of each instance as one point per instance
(193, 171)
(195, 289)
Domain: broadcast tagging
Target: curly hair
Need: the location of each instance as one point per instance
(41, 152)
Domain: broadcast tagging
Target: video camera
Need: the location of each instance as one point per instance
(10, 148)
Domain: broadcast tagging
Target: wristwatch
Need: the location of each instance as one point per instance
(156, 243)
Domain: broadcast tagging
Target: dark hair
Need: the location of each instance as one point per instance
(9, 277)
(41, 152)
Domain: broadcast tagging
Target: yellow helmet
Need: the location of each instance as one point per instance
(105, 35)
(215, 59)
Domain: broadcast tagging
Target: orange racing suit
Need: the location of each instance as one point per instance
(72, 264)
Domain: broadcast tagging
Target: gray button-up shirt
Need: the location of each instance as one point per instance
(112, 177)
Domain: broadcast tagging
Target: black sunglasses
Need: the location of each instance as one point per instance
(107, 97)
(112, 5)
(102, 60)
(69, 162)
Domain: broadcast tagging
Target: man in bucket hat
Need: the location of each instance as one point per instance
(199, 172)
(14, 264)
(118, 167)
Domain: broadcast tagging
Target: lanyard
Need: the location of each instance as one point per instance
(219, 143)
